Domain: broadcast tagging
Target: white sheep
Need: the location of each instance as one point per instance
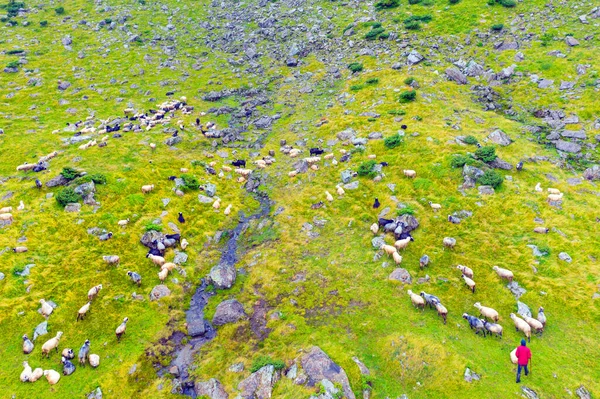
(52, 376)
(216, 204)
(409, 173)
(487, 312)
(226, 168)
(328, 196)
(442, 311)
(397, 257)
(374, 228)
(162, 274)
(147, 188)
(534, 324)
(83, 311)
(340, 190)
(504, 273)
(449, 242)
(469, 282)
(93, 292)
(20, 250)
(157, 260)
(184, 244)
(541, 230)
(465, 270)
(294, 152)
(371, 156)
(47, 309)
(184, 170)
(52, 343)
(513, 355)
(328, 156)
(402, 244)
(36, 374)
(541, 316)
(25, 167)
(417, 300)
(21, 206)
(435, 207)
(169, 266)
(6, 209)
(314, 167)
(26, 373)
(6, 217)
(121, 329)
(521, 325)
(293, 173)
(555, 197)
(553, 191)
(123, 222)
(388, 249)
(111, 259)
(94, 360)
(227, 210)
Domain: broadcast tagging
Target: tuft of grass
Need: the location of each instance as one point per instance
(491, 178)
(406, 211)
(69, 173)
(151, 226)
(263, 361)
(470, 140)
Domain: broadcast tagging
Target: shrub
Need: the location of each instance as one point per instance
(12, 8)
(408, 81)
(13, 52)
(190, 182)
(355, 67)
(152, 226)
(421, 18)
(397, 112)
(356, 87)
(97, 178)
(470, 140)
(414, 1)
(13, 64)
(372, 81)
(453, 1)
(384, 36)
(366, 169)
(392, 141)
(374, 33)
(458, 161)
(43, 23)
(69, 173)
(508, 3)
(408, 96)
(406, 211)
(412, 25)
(490, 178)
(59, 10)
(497, 27)
(262, 361)
(66, 196)
(486, 154)
(385, 4)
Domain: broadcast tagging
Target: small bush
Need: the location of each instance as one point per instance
(265, 361)
(97, 178)
(152, 226)
(392, 141)
(374, 33)
(408, 96)
(373, 24)
(69, 173)
(355, 67)
(66, 196)
(372, 81)
(421, 18)
(508, 3)
(453, 1)
(13, 52)
(470, 140)
(59, 10)
(366, 169)
(490, 178)
(408, 81)
(412, 25)
(458, 161)
(190, 182)
(497, 27)
(43, 23)
(414, 1)
(356, 87)
(386, 4)
(384, 36)
(406, 211)
(397, 112)
(486, 154)
(13, 64)
(12, 8)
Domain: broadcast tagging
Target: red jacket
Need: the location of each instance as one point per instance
(523, 354)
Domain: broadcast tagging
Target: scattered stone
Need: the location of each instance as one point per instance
(401, 275)
(583, 393)
(63, 85)
(237, 367)
(414, 57)
(229, 311)
(523, 309)
(529, 393)
(545, 83)
(486, 190)
(259, 385)
(57, 181)
(223, 276)
(159, 291)
(571, 41)
(211, 388)
(499, 137)
(171, 141)
(456, 75)
(565, 256)
(514, 288)
(26, 270)
(41, 329)
(95, 394)
(592, 173)
(318, 366)
(471, 376)
(204, 199)
(470, 175)
(180, 258)
(363, 369)
(73, 207)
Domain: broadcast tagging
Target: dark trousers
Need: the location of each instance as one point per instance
(519, 372)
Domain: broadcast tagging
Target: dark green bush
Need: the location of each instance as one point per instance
(366, 169)
(384, 36)
(458, 161)
(486, 154)
(13, 64)
(408, 81)
(453, 1)
(190, 182)
(372, 81)
(507, 3)
(470, 140)
(490, 178)
(12, 8)
(43, 23)
(151, 226)
(397, 112)
(97, 178)
(355, 67)
(408, 96)
(392, 141)
(420, 18)
(59, 10)
(66, 196)
(412, 25)
(406, 211)
(497, 27)
(374, 33)
(265, 361)
(357, 87)
(13, 52)
(385, 4)
(414, 1)
(69, 173)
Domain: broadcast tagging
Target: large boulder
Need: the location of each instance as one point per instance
(318, 366)
(151, 237)
(456, 75)
(401, 275)
(159, 291)
(499, 137)
(171, 141)
(211, 388)
(500, 164)
(228, 311)
(414, 57)
(87, 191)
(57, 181)
(260, 384)
(470, 175)
(223, 276)
(567, 146)
(409, 223)
(592, 173)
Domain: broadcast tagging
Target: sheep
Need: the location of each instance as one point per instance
(94, 360)
(541, 316)
(52, 343)
(6, 209)
(409, 173)
(397, 258)
(423, 261)
(47, 309)
(238, 163)
(52, 376)
(402, 244)
(20, 250)
(541, 230)
(111, 259)
(26, 373)
(435, 207)
(93, 292)
(162, 275)
(227, 210)
(469, 283)
(123, 222)
(328, 196)
(316, 151)
(147, 188)
(27, 345)
(216, 204)
(340, 190)
(243, 172)
(538, 188)
(534, 324)
(83, 311)
(25, 167)
(84, 352)
(36, 374)
(121, 329)
(442, 311)
(153, 146)
(184, 170)
(294, 152)
(492, 328)
(168, 266)
(521, 325)
(504, 274)
(553, 191)
(68, 353)
(157, 260)
(293, 173)
(105, 237)
(417, 301)
(68, 367)
(555, 197)
(487, 312)
(135, 277)
(431, 300)
(6, 217)
(184, 244)
(465, 270)
(513, 356)
(449, 242)
(21, 206)
(388, 249)
(474, 323)
(226, 168)
(374, 228)
(329, 156)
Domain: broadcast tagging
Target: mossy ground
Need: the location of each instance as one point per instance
(345, 305)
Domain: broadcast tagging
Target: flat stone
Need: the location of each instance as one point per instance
(41, 329)
(454, 74)
(259, 385)
(229, 311)
(514, 288)
(565, 257)
(567, 146)
(159, 291)
(574, 134)
(351, 186)
(523, 309)
(499, 137)
(318, 366)
(204, 199)
(583, 393)
(571, 41)
(180, 258)
(26, 270)
(471, 376)
(211, 388)
(377, 242)
(486, 190)
(223, 276)
(401, 275)
(95, 394)
(545, 83)
(414, 57)
(171, 141)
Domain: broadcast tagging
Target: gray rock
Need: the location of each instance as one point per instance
(63, 85)
(474, 69)
(210, 189)
(523, 309)
(574, 134)
(583, 393)
(409, 223)
(87, 191)
(470, 175)
(471, 376)
(150, 237)
(499, 137)
(2, 276)
(377, 242)
(396, 66)
(57, 181)
(486, 190)
(500, 164)
(229, 311)
(73, 207)
(41, 329)
(361, 366)
(347, 176)
(259, 385)
(564, 85)
(166, 201)
(204, 199)
(571, 41)
(67, 40)
(592, 173)
(159, 291)
(414, 57)
(401, 275)
(347, 134)
(567, 146)
(536, 251)
(318, 366)
(565, 257)
(529, 393)
(26, 270)
(95, 394)
(292, 372)
(263, 122)
(456, 75)
(351, 186)
(359, 141)
(545, 83)
(171, 141)
(180, 258)
(514, 288)
(223, 276)
(375, 136)
(211, 388)
(504, 45)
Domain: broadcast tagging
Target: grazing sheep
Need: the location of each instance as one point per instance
(36, 374)
(52, 376)
(316, 151)
(216, 204)
(162, 274)
(376, 203)
(84, 352)
(111, 259)
(371, 156)
(239, 163)
(340, 190)
(417, 301)
(504, 274)
(487, 312)
(21, 206)
(449, 242)
(136, 278)
(409, 173)
(541, 230)
(147, 188)
(227, 210)
(538, 188)
(431, 300)
(293, 173)
(105, 237)
(423, 261)
(47, 309)
(388, 249)
(157, 260)
(169, 266)
(553, 191)
(184, 170)
(121, 329)
(94, 360)
(226, 168)
(52, 343)
(520, 166)
(534, 324)
(474, 323)
(521, 325)
(26, 373)
(442, 311)
(19, 250)
(25, 167)
(435, 207)
(27, 345)
(492, 328)
(541, 316)
(555, 197)
(402, 244)
(68, 366)
(123, 222)
(67, 353)
(38, 184)
(6, 209)
(465, 270)
(374, 228)
(397, 258)
(6, 217)
(469, 283)
(83, 311)
(513, 356)
(153, 146)
(93, 292)
(328, 196)
(184, 244)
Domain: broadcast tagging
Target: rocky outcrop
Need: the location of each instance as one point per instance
(260, 384)
(223, 276)
(401, 275)
(211, 388)
(499, 137)
(229, 311)
(318, 366)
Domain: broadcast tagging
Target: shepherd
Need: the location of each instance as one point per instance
(524, 359)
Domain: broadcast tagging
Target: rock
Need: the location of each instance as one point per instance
(196, 325)
(375, 136)
(583, 393)
(500, 164)
(564, 85)
(574, 134)
(151, 238)
(401, 275)
(229, 311)
(471, 376)
(567, 146)
(67, 40)
(223, 276)
(351, 186)
(159, 291)
(414, 57)
(565, 256)
(474, 69)
(514, 288)
(87, 191)
(212, 389)
(523, 309)
(237, 367)
(292, 372)
(396, 66)
(486, 190)
(499, 137)
(457, 76)
(210, 189)
(180, 258)
(259, 385)
(409, 223)
(347, 134)
(377, 242)
(318, 366)
(504, 45)
(529, 393)
(63, 85)
(204, 199)
(171, 141)
(347, 176)
(571, 41)
(95, 394)
(73, 207)
(263, 122)
(57, 181)
(470, 175)
(2, 276)
(363, 369)
(592, 173)
(545, 83)
(41, 329)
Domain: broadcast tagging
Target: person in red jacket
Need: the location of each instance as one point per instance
(524, 356)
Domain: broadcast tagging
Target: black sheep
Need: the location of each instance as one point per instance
(197, 121)
(376, 204)
(403, 127)
(316, 151)
(172, 178)
(38, 183)
(382, 222)
(475, 323)
(239, 163)
(175, 237)
(383, 164)
(180, 218)
(520, 166)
